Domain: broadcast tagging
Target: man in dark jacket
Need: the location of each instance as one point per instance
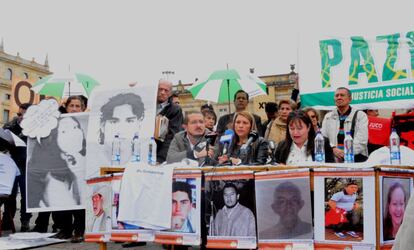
(173, 112)
(191, 143)
(241, 100)
(18, 154)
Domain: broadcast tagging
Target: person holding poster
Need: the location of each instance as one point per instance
(181, 207)
(233, 219)
(344, 119)
(394, 210)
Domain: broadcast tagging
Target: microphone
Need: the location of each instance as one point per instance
(211, 138)
(226, 140)
(253, 135)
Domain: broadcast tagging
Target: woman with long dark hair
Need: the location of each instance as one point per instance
(394, 210)
(299, 143)
(243, 124)
(53, 182)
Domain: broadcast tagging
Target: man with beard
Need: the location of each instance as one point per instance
(233, 219)
(191, 143)
(286, 204)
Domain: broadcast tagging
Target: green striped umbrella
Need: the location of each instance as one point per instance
(63, 86)
(221, 86)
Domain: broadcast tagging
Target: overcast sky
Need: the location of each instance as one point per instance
(123, 41)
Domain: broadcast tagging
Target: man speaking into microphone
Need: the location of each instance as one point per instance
(192, 142)
(246, 147)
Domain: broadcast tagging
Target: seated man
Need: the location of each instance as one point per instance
(190, 143)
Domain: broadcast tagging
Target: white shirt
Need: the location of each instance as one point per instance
(8, 172)
(297, 154)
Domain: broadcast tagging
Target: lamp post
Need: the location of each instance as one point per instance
(167, 73)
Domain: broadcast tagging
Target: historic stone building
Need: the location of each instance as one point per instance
(278, 87)
(16, 77)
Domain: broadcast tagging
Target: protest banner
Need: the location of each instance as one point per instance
(56, 163)
(344, 201)
(378, 70)
(283, 202)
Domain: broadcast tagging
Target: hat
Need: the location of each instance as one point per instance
(99, 188)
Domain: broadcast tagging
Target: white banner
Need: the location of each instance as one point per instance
(378, 70)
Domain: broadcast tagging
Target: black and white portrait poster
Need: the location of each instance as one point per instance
(230, 210)
(284, 209)
(344, 205)
(56, 166)
(98, 208)
(185, 212)
(119, 115)
(395, 190)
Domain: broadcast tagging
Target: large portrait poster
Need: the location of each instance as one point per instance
(344, 204)
(98, 209)
(230, 215)
(121, 113)
(284, 208)
(56, 165)
(377, 68)
(186, 210)
(395, 189)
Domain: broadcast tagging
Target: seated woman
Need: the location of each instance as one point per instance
(299, 143)
(257, 153)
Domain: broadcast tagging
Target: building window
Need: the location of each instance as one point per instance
(26, 76)
(6, 114)
(7, 97)
(9, 74)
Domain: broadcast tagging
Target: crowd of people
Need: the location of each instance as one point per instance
(286, 137)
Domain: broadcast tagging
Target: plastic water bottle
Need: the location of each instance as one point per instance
(116, 151)
(136, 149)
(395, 155)
(349, 148)
(152, 152)
(319, 147)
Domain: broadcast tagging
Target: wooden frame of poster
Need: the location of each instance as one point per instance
(343, 199)
(192, 179)
(224, 191)
(278, 193)
(100, 236)
(390, 178)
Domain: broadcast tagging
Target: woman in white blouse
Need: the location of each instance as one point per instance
(298, 146)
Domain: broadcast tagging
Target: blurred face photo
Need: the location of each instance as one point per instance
(164, 91)
(242, 126)
(230, 197)
(298, 132)
(181, 208)
(284, 111)
(124, 123)
(397, 206)
(241, 101)
(287, 205)
(351, 189)
(195, 126)
(74, 106)
(70, 136)
(97, 204)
